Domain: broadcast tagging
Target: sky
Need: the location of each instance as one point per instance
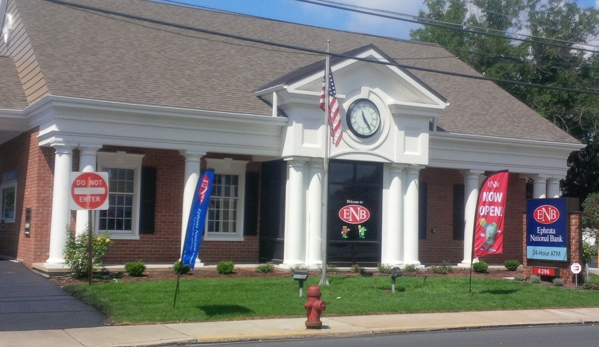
(303, 13)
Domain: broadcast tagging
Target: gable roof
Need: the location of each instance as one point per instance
(91, 55)
(300, 73)
(12, 96)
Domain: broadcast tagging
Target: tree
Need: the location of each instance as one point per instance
(545, 57)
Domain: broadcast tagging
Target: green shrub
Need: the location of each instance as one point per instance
(410, 268)
(225, 267)
(444, 268)
(512, 265)
(76, 255)
(135, 268)
(591, 285)
(265, 268)
(535, 279)
(588, 252)
(332, 269)
(480, 266)
(519, 277)
(180, 269)
(357, 269)
(384, 269)
(558, 282)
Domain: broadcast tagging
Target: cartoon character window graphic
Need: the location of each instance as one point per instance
(361, 232)
(489, 234)
(344, 232)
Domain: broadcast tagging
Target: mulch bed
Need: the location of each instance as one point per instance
(168, 274)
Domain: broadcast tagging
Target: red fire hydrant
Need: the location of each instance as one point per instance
(314, 307)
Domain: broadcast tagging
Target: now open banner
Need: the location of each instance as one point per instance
(490, 215)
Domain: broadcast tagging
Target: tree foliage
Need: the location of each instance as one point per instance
(545, 57)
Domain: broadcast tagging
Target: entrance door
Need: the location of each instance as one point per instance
(354, 213)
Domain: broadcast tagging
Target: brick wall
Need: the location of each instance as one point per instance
(440, 245)
(34, 189)
(164, 246)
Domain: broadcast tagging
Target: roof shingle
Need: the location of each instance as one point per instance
(91, 55)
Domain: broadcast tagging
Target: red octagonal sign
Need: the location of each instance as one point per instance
(89, 191)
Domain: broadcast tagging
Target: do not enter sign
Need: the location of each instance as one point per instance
(89, 191)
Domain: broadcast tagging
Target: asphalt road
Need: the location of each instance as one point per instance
(535, 336)
(30, 302)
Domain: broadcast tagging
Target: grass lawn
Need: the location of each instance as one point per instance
(227, 299)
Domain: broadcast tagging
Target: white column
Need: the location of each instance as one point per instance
(295, 235)
(393, 233)
(553, 190)
(539, 187)
(63, 162)
(87, 163)
(471, 186)
(314, 214)
(410, 255)
(192, 175)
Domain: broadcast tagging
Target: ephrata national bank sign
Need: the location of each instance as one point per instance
(547, 229)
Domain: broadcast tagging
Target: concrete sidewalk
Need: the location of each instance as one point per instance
(270, 329)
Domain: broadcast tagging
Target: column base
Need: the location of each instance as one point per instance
(199, 263)
(293, 265)
(55, 264)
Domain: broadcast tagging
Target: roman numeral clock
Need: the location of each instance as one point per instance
(363, 118)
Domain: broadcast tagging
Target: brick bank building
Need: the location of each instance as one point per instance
(153, 104)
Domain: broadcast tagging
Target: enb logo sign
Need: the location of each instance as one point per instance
(546, 214)
(354, 214)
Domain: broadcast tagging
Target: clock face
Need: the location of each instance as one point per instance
(363, 118)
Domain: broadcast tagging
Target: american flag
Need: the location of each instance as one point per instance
(334, 118)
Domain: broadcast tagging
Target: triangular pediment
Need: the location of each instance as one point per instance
(366, 67)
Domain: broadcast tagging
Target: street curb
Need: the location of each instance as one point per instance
(371, 331)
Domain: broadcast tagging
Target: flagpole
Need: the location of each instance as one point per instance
(324, 281)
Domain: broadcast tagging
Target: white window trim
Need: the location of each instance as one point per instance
(123, 160)
(229, 166)
(6, 186)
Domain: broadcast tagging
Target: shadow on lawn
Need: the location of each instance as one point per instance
(499, 292)
(219, 310)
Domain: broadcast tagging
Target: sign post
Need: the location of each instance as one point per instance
(576, 268)
(89, 191)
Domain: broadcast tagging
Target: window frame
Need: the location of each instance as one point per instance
(123, 160)
(3, 187)
(228, 166)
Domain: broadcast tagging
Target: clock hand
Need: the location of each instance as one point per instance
(365, 121)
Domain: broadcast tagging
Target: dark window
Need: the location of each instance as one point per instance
(422, 210)
(458, 211)
(252, 189)
(147, 209)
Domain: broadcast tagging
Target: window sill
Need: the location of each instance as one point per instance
(121, 236)
(233, 238)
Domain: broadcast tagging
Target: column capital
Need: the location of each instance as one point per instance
(397, 168)
(190, 154)
(471, 172)
(413, 169)
(298, 159)
(88, 149)
(61, 147)
(316, 164)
